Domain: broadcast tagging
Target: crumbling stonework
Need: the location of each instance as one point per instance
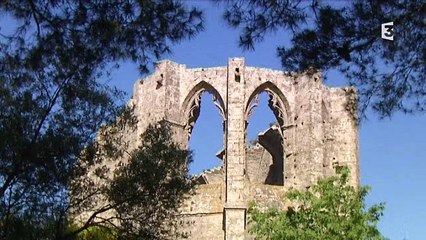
(316, 130)
(264, 161)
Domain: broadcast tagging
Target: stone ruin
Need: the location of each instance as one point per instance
(264, 163)
(316, 130)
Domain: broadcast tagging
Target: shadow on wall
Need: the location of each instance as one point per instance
(264, 160)
(271, 140)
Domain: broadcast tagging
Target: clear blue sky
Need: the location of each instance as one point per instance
(392, 152)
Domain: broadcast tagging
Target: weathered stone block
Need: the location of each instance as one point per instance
(317, 129)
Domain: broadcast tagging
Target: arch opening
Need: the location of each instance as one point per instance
(205, 131)
(265, 115)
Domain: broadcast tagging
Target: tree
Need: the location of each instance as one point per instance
(142, 197)
(53, 102)
(332, 209)
(390, 75)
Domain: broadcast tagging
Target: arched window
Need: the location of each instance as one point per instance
(264, 137)
(205, 119)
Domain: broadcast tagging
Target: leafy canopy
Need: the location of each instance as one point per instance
(149, 189)
(345, 36)
(135, 200)
(55, 59)
(332, 209)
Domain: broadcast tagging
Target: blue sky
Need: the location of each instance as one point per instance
(392, 151)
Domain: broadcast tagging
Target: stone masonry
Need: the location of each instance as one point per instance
(316, 130)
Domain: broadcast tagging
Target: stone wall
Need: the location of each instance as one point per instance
(258, 161)
(264, 161)
(316, 130)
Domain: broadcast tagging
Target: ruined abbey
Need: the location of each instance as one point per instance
(316, 130)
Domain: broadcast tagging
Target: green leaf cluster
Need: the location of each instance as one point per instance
(140, 197)
(345, 36)
(55, 62)
(331, 209)
(92, 233)
(148, 190)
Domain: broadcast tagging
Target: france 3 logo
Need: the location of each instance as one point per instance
(387, 31)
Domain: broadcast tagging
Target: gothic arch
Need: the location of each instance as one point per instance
(191, 105)
(273, 144)
(277, 102)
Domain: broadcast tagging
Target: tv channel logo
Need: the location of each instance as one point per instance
(387, 31)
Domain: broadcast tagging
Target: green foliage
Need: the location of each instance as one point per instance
(52, 57)
(97, 233)
(332, 209)
(141, 198)
(149, 189)
(345, 36)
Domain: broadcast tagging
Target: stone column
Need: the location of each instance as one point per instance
(235, 205)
